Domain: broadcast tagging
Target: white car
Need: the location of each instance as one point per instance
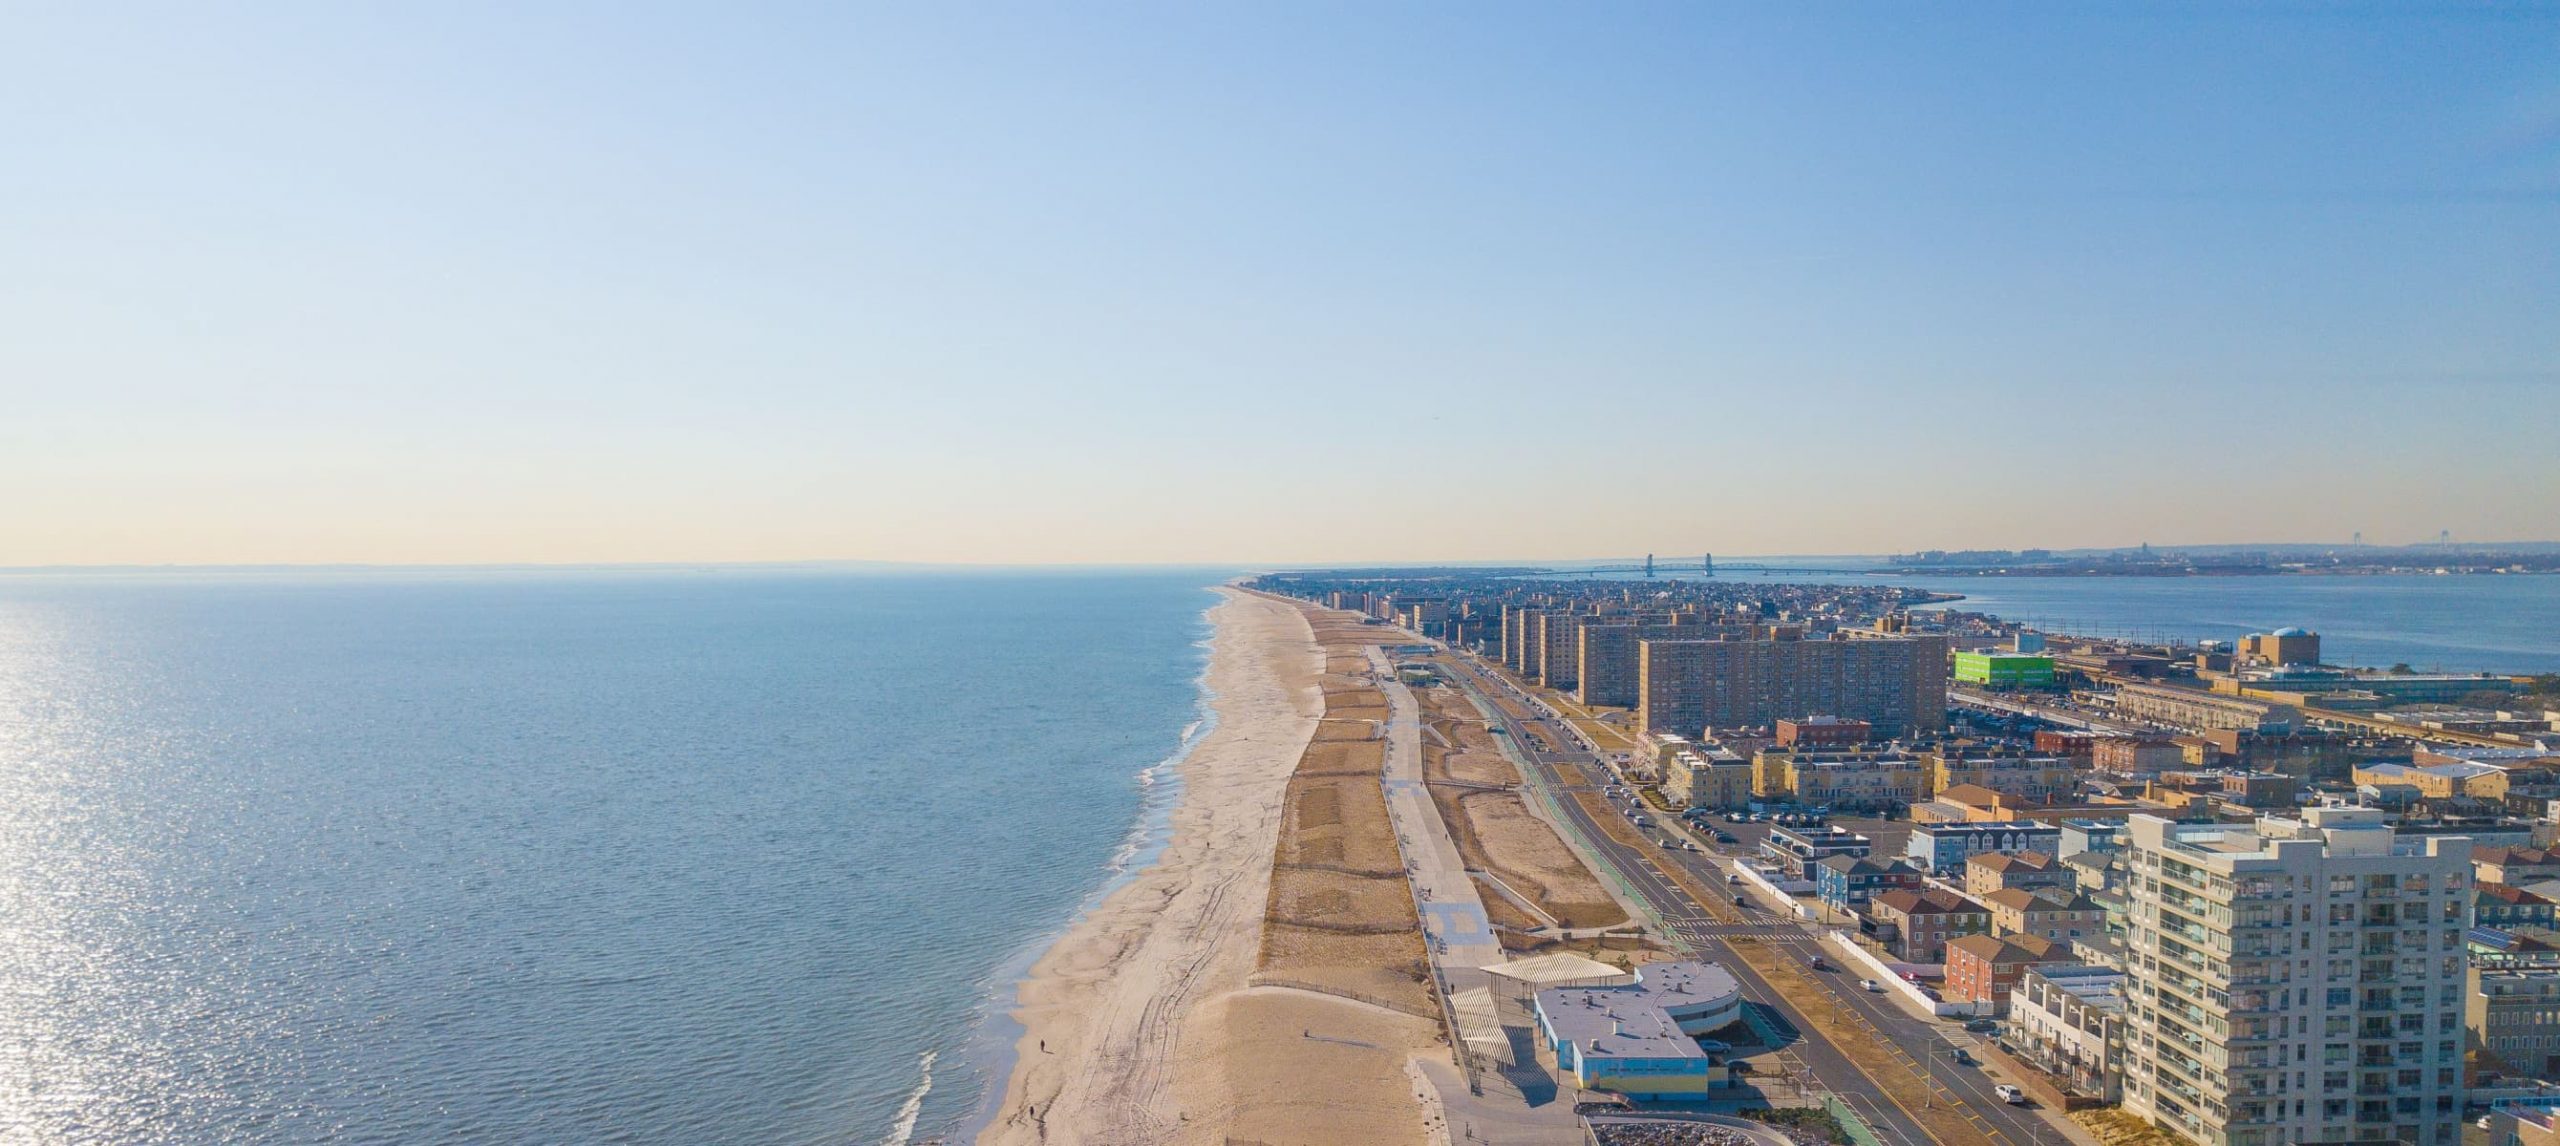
(2010, 1094)
(1871, 985)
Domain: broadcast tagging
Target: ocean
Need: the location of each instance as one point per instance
(634, 856)
(735, 855)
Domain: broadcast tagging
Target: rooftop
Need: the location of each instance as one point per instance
(1997, 950)
(1928, 901)
(1985, 826)
(2005, 861)
(1641, 1019)
(2100, 987)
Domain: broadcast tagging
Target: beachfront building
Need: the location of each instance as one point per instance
(1943, 848)
(1896, 684)
(2322, 947)
(1605, 661)
(1641, 1039)
(1982, 970)
(1916, 924)
(1847, 883)
(2068, 1019)
(1798, 850)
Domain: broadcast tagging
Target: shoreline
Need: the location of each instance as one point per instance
(1104, 1010)
(992, 1052)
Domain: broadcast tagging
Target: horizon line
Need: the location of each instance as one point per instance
(891, 563)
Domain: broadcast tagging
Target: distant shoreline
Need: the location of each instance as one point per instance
(2087, 574)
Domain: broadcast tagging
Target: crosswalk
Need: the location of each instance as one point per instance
(1782, 932)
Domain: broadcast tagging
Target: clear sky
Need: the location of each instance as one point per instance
(1292, 282)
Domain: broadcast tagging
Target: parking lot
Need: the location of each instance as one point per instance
(1889, 836)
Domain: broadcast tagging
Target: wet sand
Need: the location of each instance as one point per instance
(1141, 1024)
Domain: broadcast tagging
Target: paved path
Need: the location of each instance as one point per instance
(1454, 923)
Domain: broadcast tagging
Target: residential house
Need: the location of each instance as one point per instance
(2034, 871)
(2509, 908)
(2068, 1018)
(1982, 970)
(1847, 883)
(1916, 923)
(2056, 914)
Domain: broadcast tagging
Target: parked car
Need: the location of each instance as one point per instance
(1739, 901)
(2010, 1094)
(1981, 1026)
(1871, 985)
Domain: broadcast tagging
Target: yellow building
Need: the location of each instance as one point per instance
(2286, 646)
(2440, 781)
(2041, 778)
(1706, 777)
(1848, 781)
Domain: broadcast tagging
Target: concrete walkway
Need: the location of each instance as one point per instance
(1454, 924)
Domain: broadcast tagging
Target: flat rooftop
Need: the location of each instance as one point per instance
(2101, 987)
(1642, 1019)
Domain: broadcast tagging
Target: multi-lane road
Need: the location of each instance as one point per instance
(1705, 930)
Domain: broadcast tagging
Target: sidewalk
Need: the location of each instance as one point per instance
(1455, 927)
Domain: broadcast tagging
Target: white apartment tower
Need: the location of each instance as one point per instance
(2296, 981)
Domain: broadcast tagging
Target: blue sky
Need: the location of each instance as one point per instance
(1288, 283)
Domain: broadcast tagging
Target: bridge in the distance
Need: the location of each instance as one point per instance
(1706, 567)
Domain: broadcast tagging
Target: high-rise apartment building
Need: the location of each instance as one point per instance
(1606, 664)
(2295, 981)
(1897, 684)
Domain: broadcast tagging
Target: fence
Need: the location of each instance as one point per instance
(1380, 1001)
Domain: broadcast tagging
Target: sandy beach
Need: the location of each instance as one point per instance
(1141, 1025)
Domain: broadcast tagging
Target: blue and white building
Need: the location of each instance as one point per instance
(1641, 1039)
(1944, 848)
